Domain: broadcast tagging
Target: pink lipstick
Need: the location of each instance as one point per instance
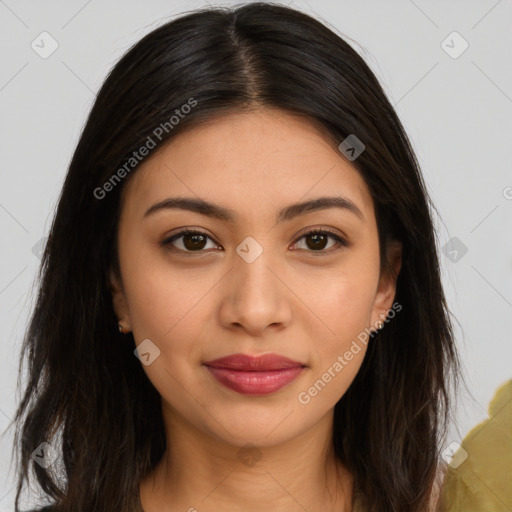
(254, 375)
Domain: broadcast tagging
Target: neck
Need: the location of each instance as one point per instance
(201, 472)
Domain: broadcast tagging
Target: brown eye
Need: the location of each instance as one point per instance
(317, 241)
(191, 241)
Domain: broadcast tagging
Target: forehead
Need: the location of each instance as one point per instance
(252, 160)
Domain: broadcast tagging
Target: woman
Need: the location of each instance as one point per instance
(240, 301)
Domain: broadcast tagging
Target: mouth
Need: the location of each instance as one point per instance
(255, 375)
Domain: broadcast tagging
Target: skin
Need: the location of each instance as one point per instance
(304, 301)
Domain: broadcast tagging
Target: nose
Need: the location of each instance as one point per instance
(256, 296)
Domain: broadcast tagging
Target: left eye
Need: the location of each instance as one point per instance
(194, 241)
(319, 238)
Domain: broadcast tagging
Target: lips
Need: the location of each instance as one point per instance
(244, 362)
(254, 375)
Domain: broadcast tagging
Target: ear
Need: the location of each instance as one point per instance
(119, 301)
(386, 289)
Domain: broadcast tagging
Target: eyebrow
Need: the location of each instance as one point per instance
(225, 214)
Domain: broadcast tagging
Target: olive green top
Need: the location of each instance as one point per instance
(479, 477)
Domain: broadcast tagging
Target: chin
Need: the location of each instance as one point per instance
(258, 424)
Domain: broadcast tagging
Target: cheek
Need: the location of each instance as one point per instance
(342, 298)
(166, 305)
(336, 359)
(159, 294)
(343, 301)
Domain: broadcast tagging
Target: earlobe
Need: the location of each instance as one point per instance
(387, 283)
(119, 302)
(395, 250)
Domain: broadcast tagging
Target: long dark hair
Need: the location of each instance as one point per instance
(88, 396)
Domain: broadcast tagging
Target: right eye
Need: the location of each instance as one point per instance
(188, 241)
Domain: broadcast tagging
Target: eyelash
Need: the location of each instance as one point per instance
(341, 241)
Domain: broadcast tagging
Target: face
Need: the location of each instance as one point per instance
(254, 277)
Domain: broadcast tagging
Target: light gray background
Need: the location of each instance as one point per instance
(457, 112)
